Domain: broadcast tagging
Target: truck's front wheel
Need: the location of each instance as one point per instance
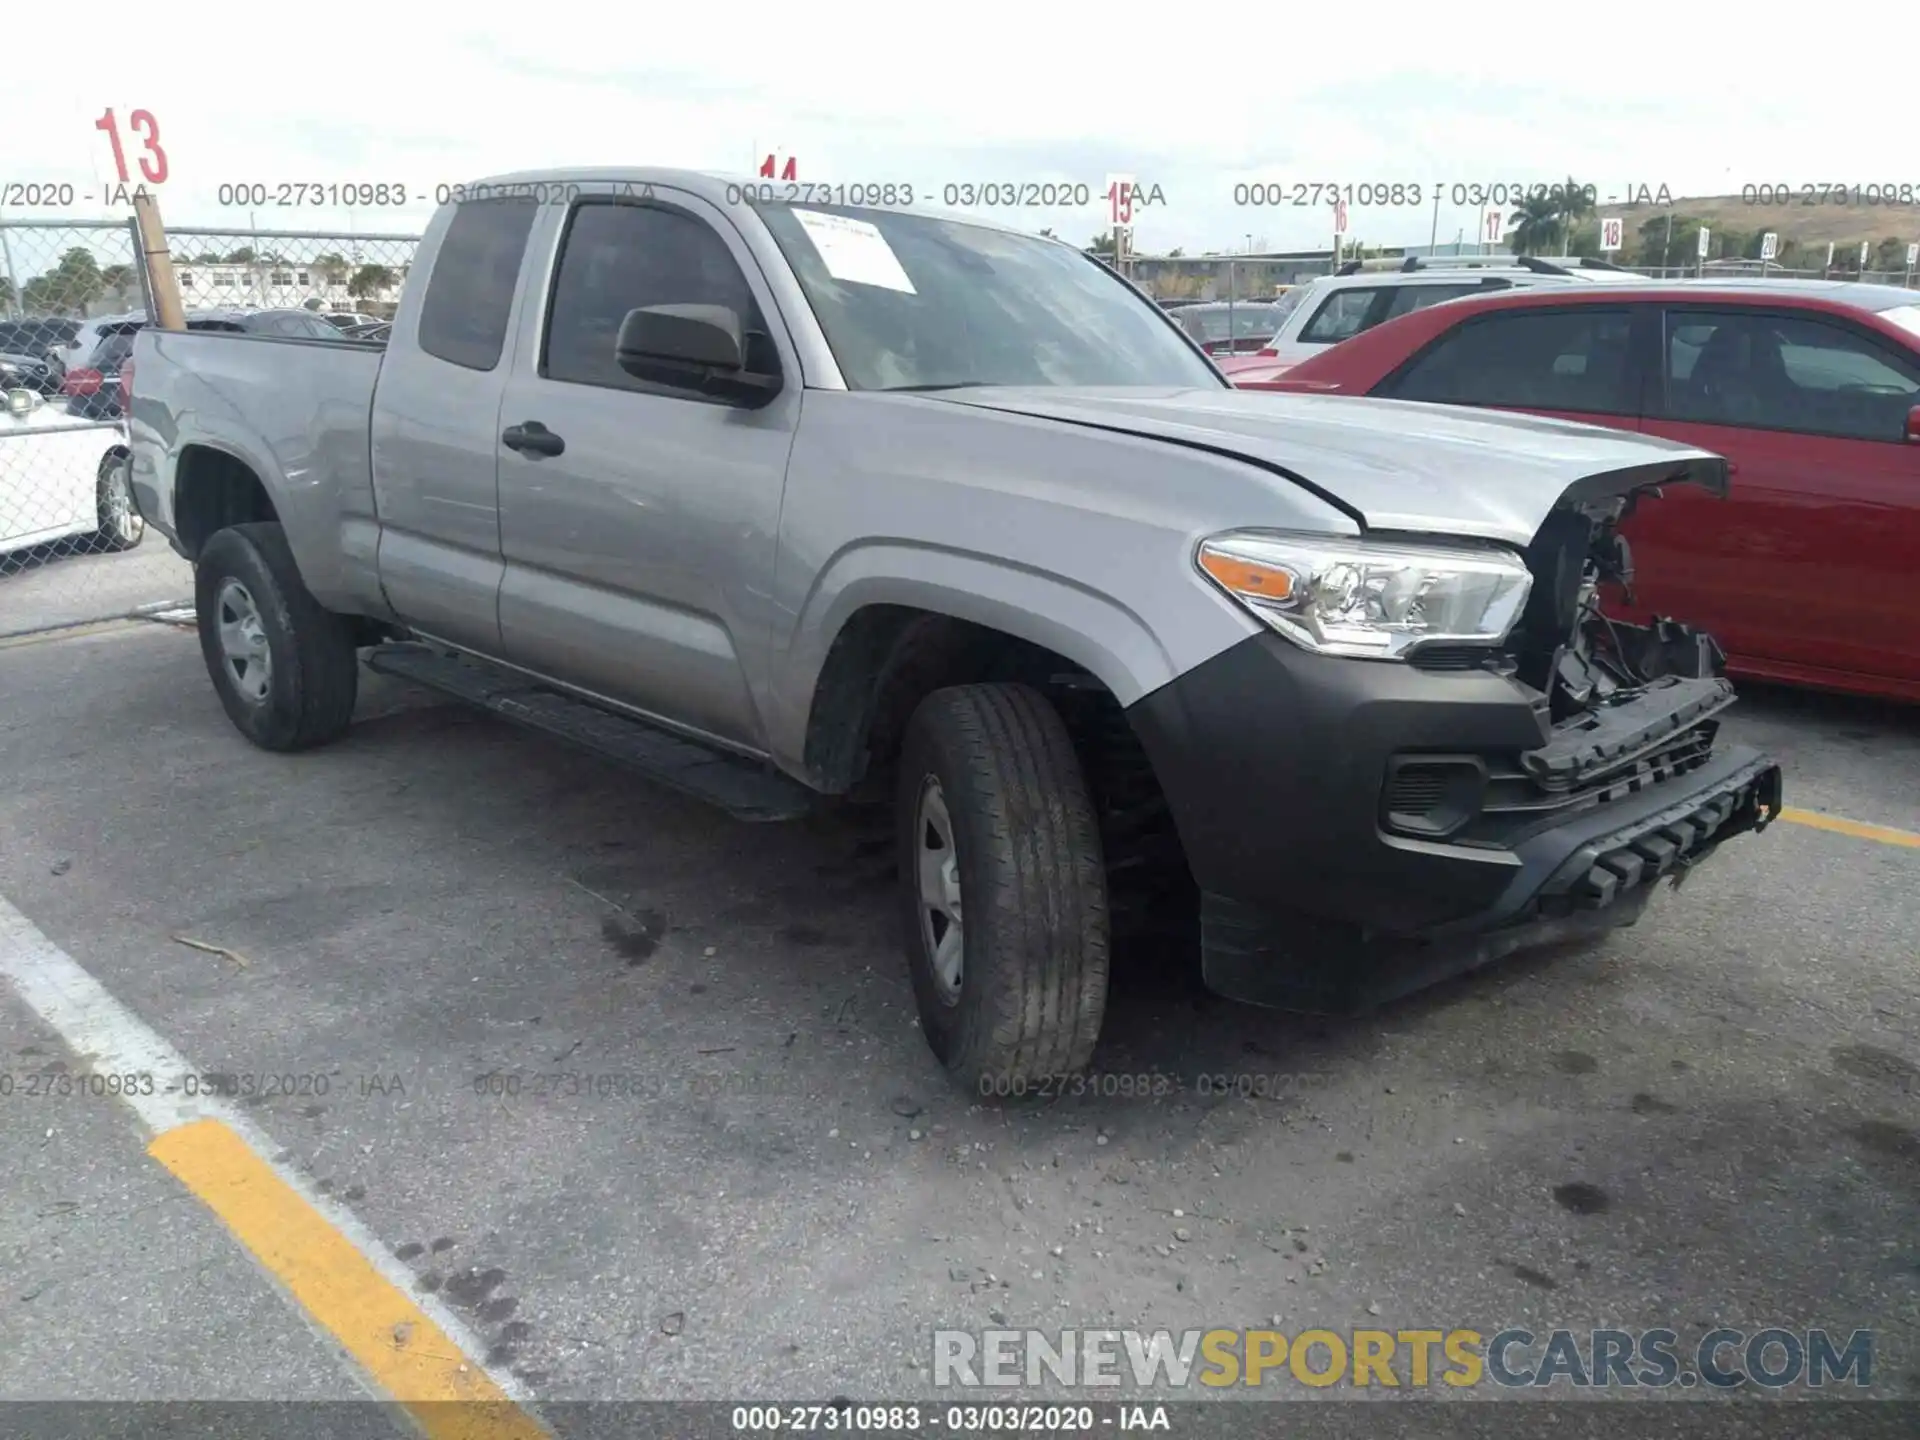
(1004, 888)
(285, 669)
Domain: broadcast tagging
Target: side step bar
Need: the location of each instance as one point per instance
(744, 789)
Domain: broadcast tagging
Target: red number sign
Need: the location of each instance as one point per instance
(768, 165)
(153, 164)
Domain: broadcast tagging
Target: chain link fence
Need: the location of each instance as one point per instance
(1725, 270)
(72, 295)
(334, 274)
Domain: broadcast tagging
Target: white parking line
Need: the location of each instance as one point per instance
(409, 1346)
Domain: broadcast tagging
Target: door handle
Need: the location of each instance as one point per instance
(532, 437)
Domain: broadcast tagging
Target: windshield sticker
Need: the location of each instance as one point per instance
(854, 251)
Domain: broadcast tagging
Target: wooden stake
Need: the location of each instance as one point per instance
(169, 313)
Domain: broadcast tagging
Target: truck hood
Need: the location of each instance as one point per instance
(1391, 464)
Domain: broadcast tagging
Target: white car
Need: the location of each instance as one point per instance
(1360, 295)
(62, 478)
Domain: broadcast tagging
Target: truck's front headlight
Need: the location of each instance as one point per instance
(1359, 597)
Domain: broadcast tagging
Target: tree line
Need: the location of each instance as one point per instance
(78, 279)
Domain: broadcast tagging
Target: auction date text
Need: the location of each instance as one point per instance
(1832, 193)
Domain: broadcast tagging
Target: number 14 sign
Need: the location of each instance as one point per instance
(775, 164)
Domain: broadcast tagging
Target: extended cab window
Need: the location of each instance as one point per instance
(470, 292)
(617, 258)
(1781, 372)
(1573, 359)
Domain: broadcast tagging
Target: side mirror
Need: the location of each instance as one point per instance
(1913, 426)
(692, 347)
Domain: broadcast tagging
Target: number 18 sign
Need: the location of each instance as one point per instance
(1612, 232)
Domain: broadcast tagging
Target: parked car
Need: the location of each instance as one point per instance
(778, 503)
(25, 346)
(1810, 389)
(61, 480)
(378, 330)
(74, 352)
(1363, 294)
(24, 372)
(348, 319)
(1220, 327)
(92, 389)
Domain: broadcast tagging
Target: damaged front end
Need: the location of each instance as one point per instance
(1622, 709)
(1564, 645)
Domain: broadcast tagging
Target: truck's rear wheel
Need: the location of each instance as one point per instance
(285, 669)
(1003, 888)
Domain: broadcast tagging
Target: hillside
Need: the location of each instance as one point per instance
(1808, 226)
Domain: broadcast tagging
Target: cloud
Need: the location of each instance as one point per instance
(997, 91)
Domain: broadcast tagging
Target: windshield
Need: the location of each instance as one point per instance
(914, 302)
(1287, 304)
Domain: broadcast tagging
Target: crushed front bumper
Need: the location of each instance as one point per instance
(1273, 761)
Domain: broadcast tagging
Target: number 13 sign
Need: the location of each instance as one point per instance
(151, 158)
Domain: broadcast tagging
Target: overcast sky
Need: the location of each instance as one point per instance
(1192, 99)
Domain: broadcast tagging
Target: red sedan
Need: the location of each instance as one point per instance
(1807, 571)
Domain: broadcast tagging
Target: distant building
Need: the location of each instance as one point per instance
(278, 285)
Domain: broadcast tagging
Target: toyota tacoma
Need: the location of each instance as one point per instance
(779, 501)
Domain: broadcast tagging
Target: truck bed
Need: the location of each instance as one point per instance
(296, 412)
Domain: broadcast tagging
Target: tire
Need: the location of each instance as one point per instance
(246, 586)
(121, 525)
(1023, 842)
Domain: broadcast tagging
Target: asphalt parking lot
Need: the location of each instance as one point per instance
(635, 1094)
(49, 586)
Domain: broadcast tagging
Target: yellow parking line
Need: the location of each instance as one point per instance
(405, 1353)
(1883, 834)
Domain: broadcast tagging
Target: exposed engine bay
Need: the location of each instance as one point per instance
(1566, 648)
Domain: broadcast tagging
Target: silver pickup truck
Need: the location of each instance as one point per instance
(780, 501)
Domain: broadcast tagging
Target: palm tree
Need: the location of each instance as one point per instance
(1535, 225)
(1574, 206)
(368, 281)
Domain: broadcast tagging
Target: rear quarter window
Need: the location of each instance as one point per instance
(463, 318)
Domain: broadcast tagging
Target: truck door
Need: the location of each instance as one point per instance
(638, 523)
(436, 423)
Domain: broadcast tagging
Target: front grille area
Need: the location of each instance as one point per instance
(1497, 799)
(1512, 793)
